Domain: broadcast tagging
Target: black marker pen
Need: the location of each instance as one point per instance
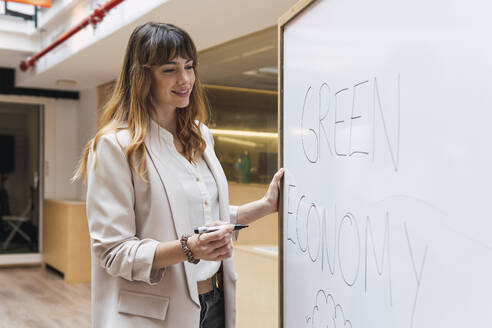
(215, 228)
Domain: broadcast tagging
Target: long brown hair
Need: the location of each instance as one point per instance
(150, 45)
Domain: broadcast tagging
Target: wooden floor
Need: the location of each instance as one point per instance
(36, 297)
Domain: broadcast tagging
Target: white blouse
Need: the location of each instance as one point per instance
(201, 192)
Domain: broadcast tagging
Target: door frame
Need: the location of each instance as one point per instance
(43, 104)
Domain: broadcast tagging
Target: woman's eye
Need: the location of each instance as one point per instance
(170, 70)
(189, 67)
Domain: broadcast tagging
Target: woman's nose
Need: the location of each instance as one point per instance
(183, 76)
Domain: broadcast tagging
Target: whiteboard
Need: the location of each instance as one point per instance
(386, 132)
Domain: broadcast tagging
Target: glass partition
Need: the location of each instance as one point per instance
(244, 125)
(20, 167)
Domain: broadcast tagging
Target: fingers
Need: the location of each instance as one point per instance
(216, 235)
(220, 242)
(275, 184)
(214, 245)
(216, 249)
(277, 177)
(223, 252)
(272, 193)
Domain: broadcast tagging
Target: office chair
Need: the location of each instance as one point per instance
(16, 222)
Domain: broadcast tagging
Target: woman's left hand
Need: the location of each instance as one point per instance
(271, 196)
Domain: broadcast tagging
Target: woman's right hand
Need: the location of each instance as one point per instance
(212, 246)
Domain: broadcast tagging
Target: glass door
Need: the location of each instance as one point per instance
(21, 130)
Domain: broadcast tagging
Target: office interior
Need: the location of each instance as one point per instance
(49, 111)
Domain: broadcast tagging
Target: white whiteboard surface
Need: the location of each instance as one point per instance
(387, 145)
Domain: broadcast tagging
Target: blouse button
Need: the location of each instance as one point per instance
(197, 179)
(206, 203)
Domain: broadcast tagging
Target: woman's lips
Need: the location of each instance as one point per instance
(182, 93)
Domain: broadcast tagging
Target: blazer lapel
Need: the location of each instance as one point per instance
(177, 200)
(220, 179)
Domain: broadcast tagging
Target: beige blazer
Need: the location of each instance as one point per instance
(127, 218)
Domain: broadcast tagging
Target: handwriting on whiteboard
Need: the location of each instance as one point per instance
(327, 313)
(344, 246)
(334, 120)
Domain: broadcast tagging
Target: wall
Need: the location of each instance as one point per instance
(87, 114)
(61, 149)
(67, 124)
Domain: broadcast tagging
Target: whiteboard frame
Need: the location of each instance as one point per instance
(301, 7)
(292, 13)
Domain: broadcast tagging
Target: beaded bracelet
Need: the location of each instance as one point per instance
(186, 250)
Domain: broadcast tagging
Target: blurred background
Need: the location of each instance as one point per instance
(58, 63)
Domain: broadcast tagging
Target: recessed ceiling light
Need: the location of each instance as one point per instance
(254, 73)
(271, 70)
(257, 51)
(66, 83)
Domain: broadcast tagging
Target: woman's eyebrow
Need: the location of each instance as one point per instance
(175, 63)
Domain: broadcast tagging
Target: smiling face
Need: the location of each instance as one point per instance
(172, 83)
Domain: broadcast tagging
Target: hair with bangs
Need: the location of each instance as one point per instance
(150, 45)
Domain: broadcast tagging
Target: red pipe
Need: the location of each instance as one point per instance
(95, 18)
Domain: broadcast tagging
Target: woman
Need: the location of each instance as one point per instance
(152, 176)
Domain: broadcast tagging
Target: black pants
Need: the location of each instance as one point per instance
(212, 313)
